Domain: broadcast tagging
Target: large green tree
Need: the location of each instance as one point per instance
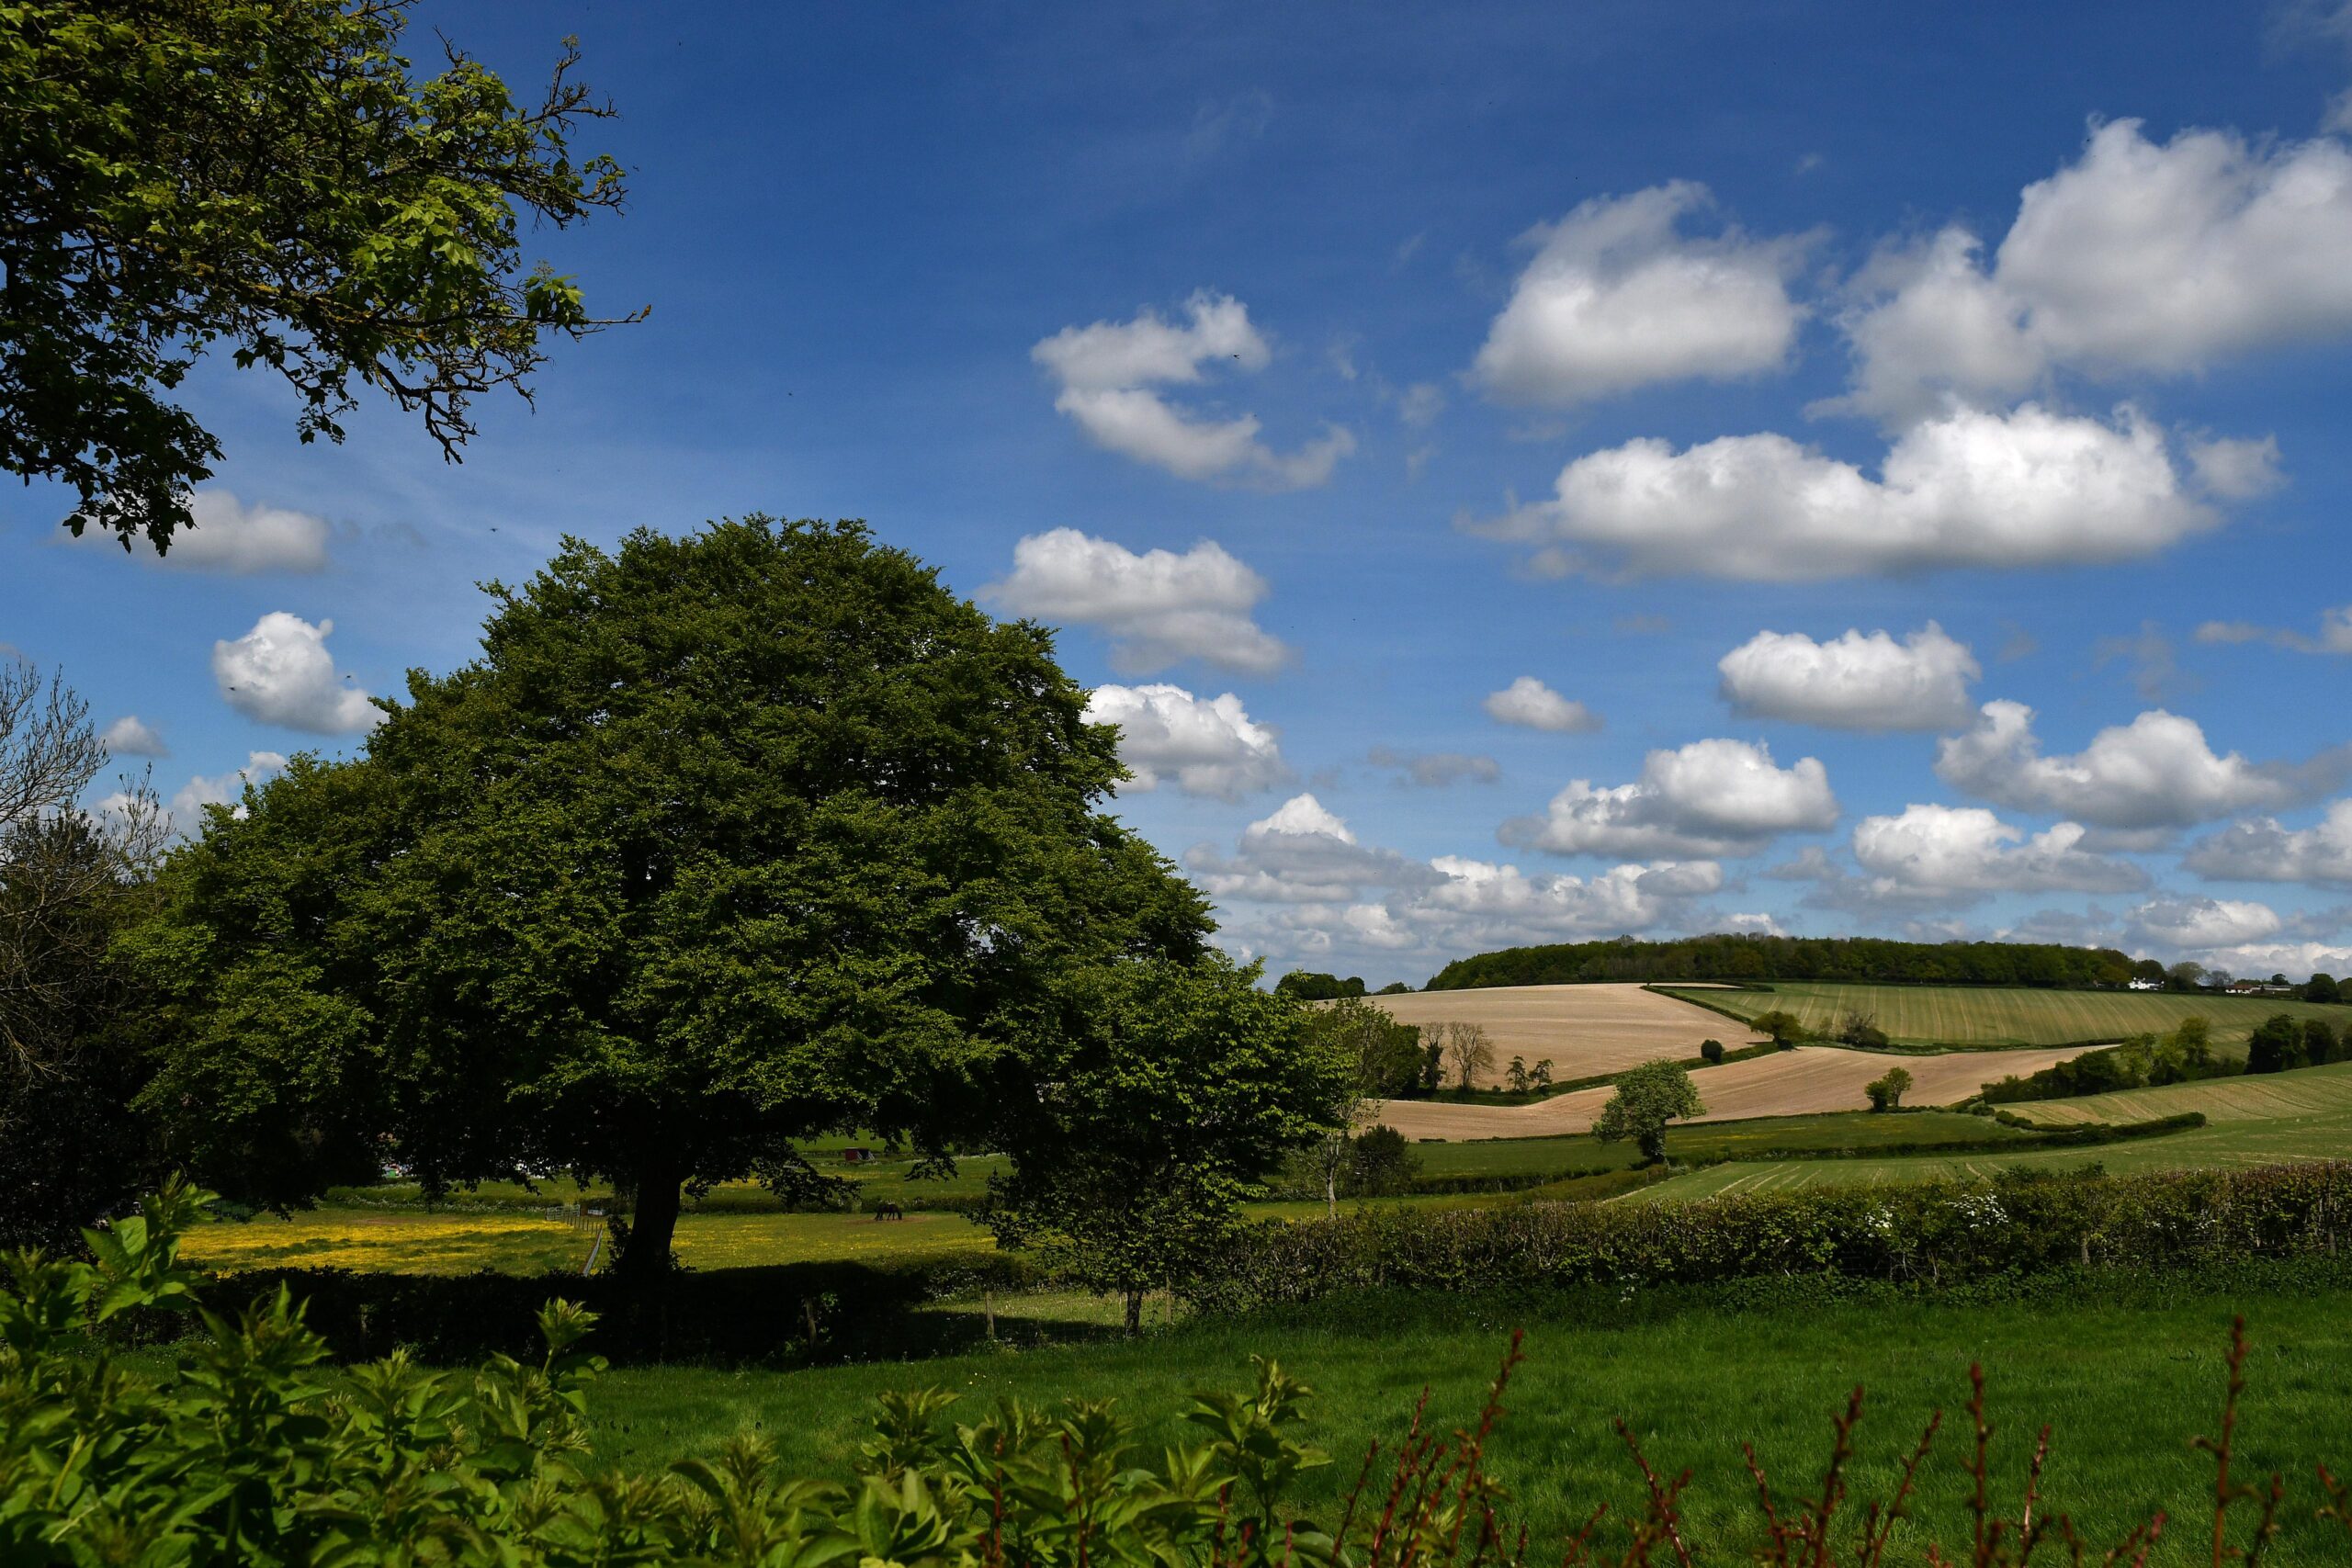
(723, 840)
(270, 175)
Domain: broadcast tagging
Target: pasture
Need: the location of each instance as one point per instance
(2124, 1370)
(464, 1240)
(1581, 1030)
(1805, 1081)
(2304, 1095)
(1985, 1017)
(2280, 1140)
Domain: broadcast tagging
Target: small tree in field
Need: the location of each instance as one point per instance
(1469, 1054)
(1380, 1162)
(1783, 1029)
(2319, 1043)
(1163, 1096)
(1538, 1078)
(1648, 1098)
(1712, 1050)
(1377, 1058)
(1515, 1076)
(1886, 1093)
(2275, 1044)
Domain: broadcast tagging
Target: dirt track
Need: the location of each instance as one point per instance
(1808, 1080)
(1581, 1030)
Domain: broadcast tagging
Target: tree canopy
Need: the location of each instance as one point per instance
(1724, 956)
(1161, 1098)
(266, 174)
(723, 840)
(1648, 1098)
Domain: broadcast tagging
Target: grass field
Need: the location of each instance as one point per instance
(2283, 1140)
(1968, 1016)
(1581, 1030)
(1808, 1080)
(2123, 1381)
(2307, 1094)
(462, 1241)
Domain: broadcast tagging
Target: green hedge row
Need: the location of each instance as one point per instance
(1938, 1234)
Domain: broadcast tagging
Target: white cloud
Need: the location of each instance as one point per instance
(185, 808)
(1618, 296)
(1303, 854)
(1202, 745)
(1940, 852)
(1158, 607)
(1530, 702)
(2028, 488)
(1710, 798)
(2156, 772)
(280, 672)
(2139, 256)
(2198, 924)
(1108, 372)
(1854, 681)
(2298, 961)
(2262, 850)
(233, 539)
(1308, 885)
(2335, 633)
(131, 736)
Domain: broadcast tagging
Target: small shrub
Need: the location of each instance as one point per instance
(1712, 1050)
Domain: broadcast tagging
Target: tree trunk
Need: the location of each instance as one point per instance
(1135, 1313)
(1331, 1191)
(653, 1225)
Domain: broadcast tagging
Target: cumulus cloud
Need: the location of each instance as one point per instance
(1158, 607)
(1530, 703)
(232, 539)
(1202, 745)
(1619, 296)
(2335, 633)
(1308, 885)
(1854, 681)
(280, 672)
(2139, 256)
(1301, 854)
(2236, 469)
(1110, 372)
(1436, 769)
(1708, 799)
(2155, 772)
(2262, 850)
(2199, 924)
(2025, 488)
(131, 736)
(1941, 853)
(184, 810)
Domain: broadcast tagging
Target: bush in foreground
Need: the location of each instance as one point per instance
(250, 1452)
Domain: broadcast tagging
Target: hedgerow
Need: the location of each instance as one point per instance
(1931, 1233)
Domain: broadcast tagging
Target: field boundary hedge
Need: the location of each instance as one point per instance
(1931, 1236)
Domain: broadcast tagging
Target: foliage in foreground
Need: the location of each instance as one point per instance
(253, 1452)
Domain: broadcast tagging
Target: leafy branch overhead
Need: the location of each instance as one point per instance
(271, 176)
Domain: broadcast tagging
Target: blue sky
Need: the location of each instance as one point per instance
(1644, 468)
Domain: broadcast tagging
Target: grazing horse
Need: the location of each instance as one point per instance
(885, 1210)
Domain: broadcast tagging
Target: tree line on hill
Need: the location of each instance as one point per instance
(1855, 960)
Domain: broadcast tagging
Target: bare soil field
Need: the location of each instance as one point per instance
(1801, 1082)
(1581, 1030)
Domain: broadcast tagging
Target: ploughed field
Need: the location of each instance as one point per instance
(2004, 1016)
(1581, 1030)
(1809, 1079)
